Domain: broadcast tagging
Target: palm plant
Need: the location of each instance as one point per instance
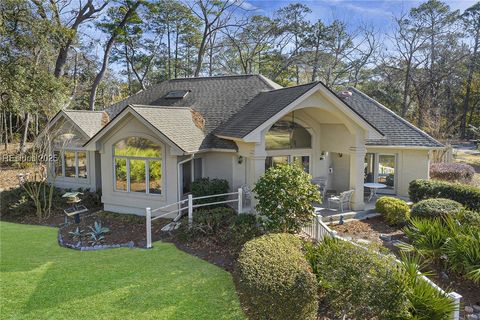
(426, 301)
(427, 237)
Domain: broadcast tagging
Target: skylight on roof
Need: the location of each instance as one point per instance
(176, 94)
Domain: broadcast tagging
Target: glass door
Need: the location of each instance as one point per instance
(386, 172)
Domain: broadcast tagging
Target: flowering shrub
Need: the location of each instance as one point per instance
(452, 172)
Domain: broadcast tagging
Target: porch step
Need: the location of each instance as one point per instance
(171, 226)
(361, 215)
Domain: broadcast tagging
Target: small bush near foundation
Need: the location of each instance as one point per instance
(393, 210)
(207, 187)
(275, 281)
(453, 172)
(435, 208)
(467, 195)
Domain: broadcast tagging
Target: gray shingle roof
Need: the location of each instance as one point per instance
(397, 131)
(215, 98)
(260, 109)
(89, 122)
(175, 123)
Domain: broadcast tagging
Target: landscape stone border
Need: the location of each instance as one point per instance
(62, 243)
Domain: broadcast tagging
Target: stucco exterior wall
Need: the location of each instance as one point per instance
(133, 202)
(411, 164)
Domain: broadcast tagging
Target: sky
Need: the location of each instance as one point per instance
(376, 13)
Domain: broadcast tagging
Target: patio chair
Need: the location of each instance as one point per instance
(342, 200)
(322, 185)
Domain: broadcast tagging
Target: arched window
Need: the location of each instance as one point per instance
(138, 164)
(286, 134)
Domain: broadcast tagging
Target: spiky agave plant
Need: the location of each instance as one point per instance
(426, 301)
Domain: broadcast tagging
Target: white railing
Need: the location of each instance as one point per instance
(150, 214)
(318, 231)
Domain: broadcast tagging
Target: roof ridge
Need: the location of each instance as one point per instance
(158, 107)
(384, 108)
(268, 82)
(291, 87)
(89, 111)
(213, 77)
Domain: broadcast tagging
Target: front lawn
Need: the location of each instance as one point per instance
(40, 280)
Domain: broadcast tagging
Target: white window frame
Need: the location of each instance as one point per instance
(63, 165)
(147, 171)
(290, 153)
(376, 170)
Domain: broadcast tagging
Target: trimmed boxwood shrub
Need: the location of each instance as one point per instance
(274, 279)
(468, 217)
(467, 195)
(393, 210)
(435, 208)
(357, 283)
(453, 172)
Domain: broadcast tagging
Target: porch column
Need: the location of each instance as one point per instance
(258, 164)
(357, 159)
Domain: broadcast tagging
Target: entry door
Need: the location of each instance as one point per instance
(381, 168)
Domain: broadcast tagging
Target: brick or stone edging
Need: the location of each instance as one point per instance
(62, 243)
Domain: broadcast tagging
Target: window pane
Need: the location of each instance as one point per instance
(369, 167)
(137, 147)
(155, 183)
(82, 164)
(121, 174)
(303, 161)
(197, 168)
(137, 176)
(386, 170)
(273, 161)
(57, 163)
(187, 177)
(69, 164)
(287, 135)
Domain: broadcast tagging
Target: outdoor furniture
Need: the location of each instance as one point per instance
(322, 185)
(373, 189)
(76, 208)
(342, 200)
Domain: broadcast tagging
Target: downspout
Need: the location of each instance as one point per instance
(179, 183)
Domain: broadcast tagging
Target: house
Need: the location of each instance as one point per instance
(158, 141)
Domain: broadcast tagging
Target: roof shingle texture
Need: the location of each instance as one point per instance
(89, 122)
(397, 131)
(215, 98)
(261, 108)
(175, 123)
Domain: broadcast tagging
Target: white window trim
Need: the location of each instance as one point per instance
(376, 171)
(147, 174)
(63, 164)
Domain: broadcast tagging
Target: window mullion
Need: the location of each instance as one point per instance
(128, 174)
(147, 176)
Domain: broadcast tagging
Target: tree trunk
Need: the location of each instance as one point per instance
(23, 142)
(106, 56)
(176, 55)
(466, 100)
(201, 53)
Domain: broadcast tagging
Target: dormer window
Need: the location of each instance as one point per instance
(177, 94)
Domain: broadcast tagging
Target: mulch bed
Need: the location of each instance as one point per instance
(368, 229)
(123, 228)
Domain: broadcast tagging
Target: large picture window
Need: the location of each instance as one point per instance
(71, 164)
(286, 134)
(138, 166)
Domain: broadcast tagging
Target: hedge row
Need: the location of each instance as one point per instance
(454, 172)
(467, 195)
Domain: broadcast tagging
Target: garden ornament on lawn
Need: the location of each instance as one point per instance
(341, 220)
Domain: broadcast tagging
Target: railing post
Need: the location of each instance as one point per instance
(148, 214)
(456, 300)
(240, 200)
(190, 210)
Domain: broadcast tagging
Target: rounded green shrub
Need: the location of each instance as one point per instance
(467, 217)
(285, 196)
(357, 283)
(433, 208)
(275, 281)
(393, 210)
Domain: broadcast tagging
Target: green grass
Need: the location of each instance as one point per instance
(40, 280)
